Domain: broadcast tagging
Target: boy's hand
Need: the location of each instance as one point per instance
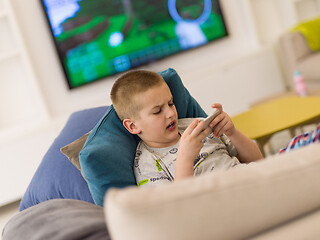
(222, 123)
(191, 141)
(248, 150)
(189, 148)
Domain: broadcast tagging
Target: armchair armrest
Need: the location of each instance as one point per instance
(293, 47)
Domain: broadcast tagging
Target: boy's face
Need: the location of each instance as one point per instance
(158, 118)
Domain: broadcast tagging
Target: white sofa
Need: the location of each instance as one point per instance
(277, 198)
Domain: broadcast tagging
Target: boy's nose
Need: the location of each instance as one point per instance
(170, 112)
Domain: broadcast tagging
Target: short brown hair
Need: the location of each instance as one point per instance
(128, 86)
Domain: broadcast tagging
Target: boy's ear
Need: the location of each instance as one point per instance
(131, 126)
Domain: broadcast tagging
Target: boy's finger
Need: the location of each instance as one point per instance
(198, 129)
(220, 128)
(201, 133)
(191, 127)
(216, 120)
(204, 133)
(217, 105)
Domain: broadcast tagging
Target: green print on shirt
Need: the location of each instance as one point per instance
(143, 182)
(202, 160)
(158, 165)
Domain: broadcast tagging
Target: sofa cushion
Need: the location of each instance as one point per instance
(311, 31)
(56, 177)
(234, 204)
(107, 157)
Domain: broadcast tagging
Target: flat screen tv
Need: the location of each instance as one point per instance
(98, 38)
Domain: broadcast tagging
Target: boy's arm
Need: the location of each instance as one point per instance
(248, 150)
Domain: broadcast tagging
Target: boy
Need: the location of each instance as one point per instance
(171, 150)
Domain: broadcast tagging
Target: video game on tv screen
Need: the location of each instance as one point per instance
(98, 38)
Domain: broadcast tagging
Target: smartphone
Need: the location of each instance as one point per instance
(209, 119)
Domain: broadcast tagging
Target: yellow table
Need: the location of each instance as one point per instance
(264, 120)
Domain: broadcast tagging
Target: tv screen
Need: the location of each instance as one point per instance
(98, 38)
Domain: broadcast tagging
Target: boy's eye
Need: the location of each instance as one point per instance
(157, 112)
(171, 104)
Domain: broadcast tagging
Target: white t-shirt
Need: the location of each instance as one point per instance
(157, 165)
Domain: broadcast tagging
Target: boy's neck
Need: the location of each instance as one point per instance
(161, 145)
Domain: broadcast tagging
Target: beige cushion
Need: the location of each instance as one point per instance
(72, 150)
(235, 204)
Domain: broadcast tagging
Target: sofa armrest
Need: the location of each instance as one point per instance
(293, 47)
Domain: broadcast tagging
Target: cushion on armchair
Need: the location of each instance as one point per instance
(56, 177)
(107, 156)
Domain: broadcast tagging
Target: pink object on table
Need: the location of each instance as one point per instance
(300, 85)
